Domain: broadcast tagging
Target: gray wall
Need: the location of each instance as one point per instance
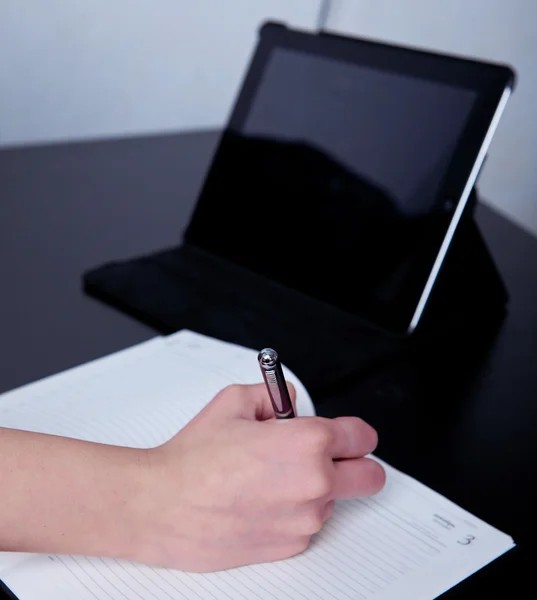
(501, 30)
(73, 69)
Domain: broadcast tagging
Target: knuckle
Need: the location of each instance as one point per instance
(328, 510)
(231, 390)
(301, 545)
(316, 438)
(293, 548)
(319, 485)
(235, 388)
(311, 523)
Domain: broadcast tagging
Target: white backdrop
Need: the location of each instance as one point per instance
(92, 68)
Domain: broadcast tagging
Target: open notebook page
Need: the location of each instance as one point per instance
(406, 542)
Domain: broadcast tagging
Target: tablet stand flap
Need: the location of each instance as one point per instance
(186, 288)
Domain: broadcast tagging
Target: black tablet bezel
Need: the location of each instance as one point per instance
(493, 84)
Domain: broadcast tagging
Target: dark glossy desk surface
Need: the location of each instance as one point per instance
(66, 208)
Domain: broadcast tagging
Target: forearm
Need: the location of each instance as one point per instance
(66, 496)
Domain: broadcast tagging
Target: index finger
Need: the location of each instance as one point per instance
(351, 437)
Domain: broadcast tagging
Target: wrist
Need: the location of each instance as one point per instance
(145, 520)
(126, 512)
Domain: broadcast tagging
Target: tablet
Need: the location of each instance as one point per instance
(346, 167)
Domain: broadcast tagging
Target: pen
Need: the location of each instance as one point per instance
(272, 371)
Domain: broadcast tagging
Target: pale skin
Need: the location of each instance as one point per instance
(234, 487)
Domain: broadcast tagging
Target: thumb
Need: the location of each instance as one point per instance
(250, 402)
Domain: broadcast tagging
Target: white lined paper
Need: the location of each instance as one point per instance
(404, 542)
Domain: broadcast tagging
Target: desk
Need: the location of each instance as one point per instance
(67, 208)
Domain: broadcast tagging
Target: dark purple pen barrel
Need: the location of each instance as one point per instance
(277, 387)
(286, 410)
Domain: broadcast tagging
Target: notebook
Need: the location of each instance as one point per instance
(405, 542)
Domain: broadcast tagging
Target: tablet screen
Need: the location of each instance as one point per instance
(330, 179)
(396, 132)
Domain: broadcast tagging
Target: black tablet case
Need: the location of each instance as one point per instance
(187, 287)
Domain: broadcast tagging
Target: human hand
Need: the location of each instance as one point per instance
(237, 486)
